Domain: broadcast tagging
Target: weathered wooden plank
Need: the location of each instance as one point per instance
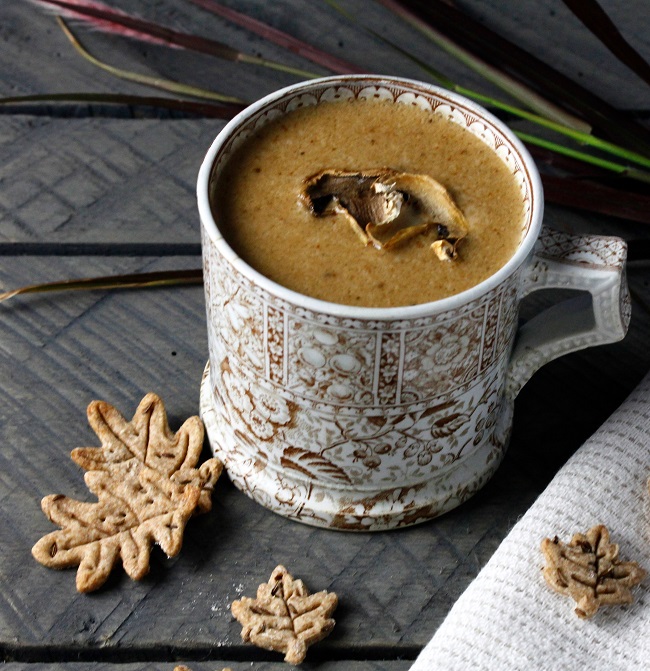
(41, 59)
(101, 180)
(116, 181)
(59, 352)
(215, 665)
(551, 31)
(547, 28)
(109, 181)
(31, 36)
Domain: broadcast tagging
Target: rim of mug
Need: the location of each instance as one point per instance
(354, 311)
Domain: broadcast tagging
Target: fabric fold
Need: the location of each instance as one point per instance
(508, 618)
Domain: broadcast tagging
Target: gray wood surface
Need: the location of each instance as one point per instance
(90, 190)
(97, 181)
(59, 353)
(217, 664)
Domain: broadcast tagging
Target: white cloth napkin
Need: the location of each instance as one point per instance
(509, 619)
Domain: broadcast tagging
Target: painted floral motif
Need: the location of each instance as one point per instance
(260, 412)
(355, 423)
(334, 365)
(444, 357)
(485, 425)
(584, 250)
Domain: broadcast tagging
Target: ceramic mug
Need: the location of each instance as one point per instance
(363, 418)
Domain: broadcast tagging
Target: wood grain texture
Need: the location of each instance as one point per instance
(552, 32)
(121, 188)
(216, 665)
(104, 180)
(101, 180)
(548, 28)
(57, 353)
(119, 182)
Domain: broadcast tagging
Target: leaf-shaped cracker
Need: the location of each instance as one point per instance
(147, 487)
(386, 208)
(589, 570)
(147, 440)
(285, 617)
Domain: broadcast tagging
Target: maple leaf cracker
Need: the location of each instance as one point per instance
(285, 617)
(589, 570)
(147, 485)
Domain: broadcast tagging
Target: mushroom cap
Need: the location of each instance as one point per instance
(386, 207)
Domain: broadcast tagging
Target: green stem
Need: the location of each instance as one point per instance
(570, 126)
(622, 170)
(573, 131)
(583, 138)
(210, 109)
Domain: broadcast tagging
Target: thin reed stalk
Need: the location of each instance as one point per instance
(163, 278)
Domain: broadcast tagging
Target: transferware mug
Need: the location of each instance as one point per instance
(366, 419)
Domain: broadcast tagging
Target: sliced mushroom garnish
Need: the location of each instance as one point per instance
(386, 208)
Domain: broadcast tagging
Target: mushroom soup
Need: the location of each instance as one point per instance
(369, 203)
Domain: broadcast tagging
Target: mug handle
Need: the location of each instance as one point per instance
(601, 314)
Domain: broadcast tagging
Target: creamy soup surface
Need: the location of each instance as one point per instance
(257, 205)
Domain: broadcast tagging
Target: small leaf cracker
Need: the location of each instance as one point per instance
(285, 617)
(589, 570)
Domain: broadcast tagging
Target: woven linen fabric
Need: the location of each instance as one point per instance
(509, 619)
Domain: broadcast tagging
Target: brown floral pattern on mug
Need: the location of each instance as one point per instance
(260, 412)
(364, 423)
(390, 402)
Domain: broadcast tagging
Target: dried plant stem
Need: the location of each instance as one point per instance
(105, 18)
(220, 111)
(572, 127)
(594, 17)
(490, 47)
(508, 84)
(293, 44)
(581, 137)
(154, 82)
(132, 281)
(585, 194)
(281, 67)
